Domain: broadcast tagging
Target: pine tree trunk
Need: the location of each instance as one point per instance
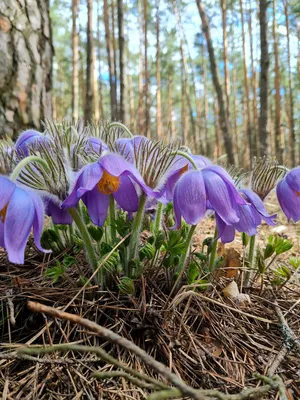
(264, 82)
(112, 77)
(75, 76)
(278, 131)
(141, 114)
(216, 81)
(101, 105)
(205, 109)
(122, 60)
(171, 106)
(146, 72)
(225, 57)
(25, 65)
(158, 83)
(246, 87)
(89, 102)
(253, 86)
(131, 104)
(292, 136)
(114, 57)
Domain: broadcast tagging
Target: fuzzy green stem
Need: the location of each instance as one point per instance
(120, 125)
(186, 253)
(88, 246)
(26, 161)
(213, 253)
(187, 156)
(136, 228)
(158, 218)
(112, 217)
(251, 259)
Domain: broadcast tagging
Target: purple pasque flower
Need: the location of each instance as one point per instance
(27, 139)
(208, 188)
(288, 194)
(250, 215)
(20, 210)
(60, 216)
(96, 145)
(110, 175)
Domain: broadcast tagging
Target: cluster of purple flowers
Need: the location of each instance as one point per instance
(132, 168)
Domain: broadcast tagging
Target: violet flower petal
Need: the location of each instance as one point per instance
(97, 204)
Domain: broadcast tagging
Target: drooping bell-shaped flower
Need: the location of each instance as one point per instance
(59, 215)
(110, 175)
(27, 139)
(250, 215)
(210, 187)
(20, 211)
(288, 194)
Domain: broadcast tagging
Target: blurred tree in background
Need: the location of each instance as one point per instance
(221, 76)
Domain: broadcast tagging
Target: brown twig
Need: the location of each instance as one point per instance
(10, 307)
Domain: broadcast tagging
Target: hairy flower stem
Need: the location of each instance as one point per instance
(251, 259)
(185, 259)
(213, 253)
(120, 125)
(185, 155)
(88, 246)
(136, 228)
(112, 218)
(158, 217)
(26, 161)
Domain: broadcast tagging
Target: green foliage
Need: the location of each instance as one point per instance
(59, 269)
(279, 244)
(126, 286)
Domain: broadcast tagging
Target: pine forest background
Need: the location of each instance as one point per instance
(223, 76)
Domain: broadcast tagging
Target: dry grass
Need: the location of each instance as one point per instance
(207, 340)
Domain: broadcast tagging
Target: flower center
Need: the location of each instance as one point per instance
(108, 184)
(3, 213)
(297, 193)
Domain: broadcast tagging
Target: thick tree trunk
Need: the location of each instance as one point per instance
(122, 60)
(225, 57)
(264, 83)
(141, 114)
(205, 108)
(171, 106)
(101, 105)
(25, 65)
(216, 81)
(75, 76)
(89, 102)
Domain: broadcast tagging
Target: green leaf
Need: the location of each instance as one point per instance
(295, 262)
(126, 286)
(283, 272)
(147, 251)
(95, 232)
(281, 245)
(269, 250)
(193, 273)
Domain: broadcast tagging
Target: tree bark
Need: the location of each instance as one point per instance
(292, 136)
(216, 81)
(278, 130)
(114, 57)
(171, 105)
(246, 87)
(264, 80)
(112, 77)
(101, 105)
(225, 56)
(205, 109)
(75, 76)
(146, 71)
(141, 114)
(89, 102)
(25, 65)
(122, 60)
(158, 82)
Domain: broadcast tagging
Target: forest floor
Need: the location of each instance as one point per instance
(208, 340)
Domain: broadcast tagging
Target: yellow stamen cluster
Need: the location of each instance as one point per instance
(3, 213)
(184, 169)
(297, 193)
(108, 184)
